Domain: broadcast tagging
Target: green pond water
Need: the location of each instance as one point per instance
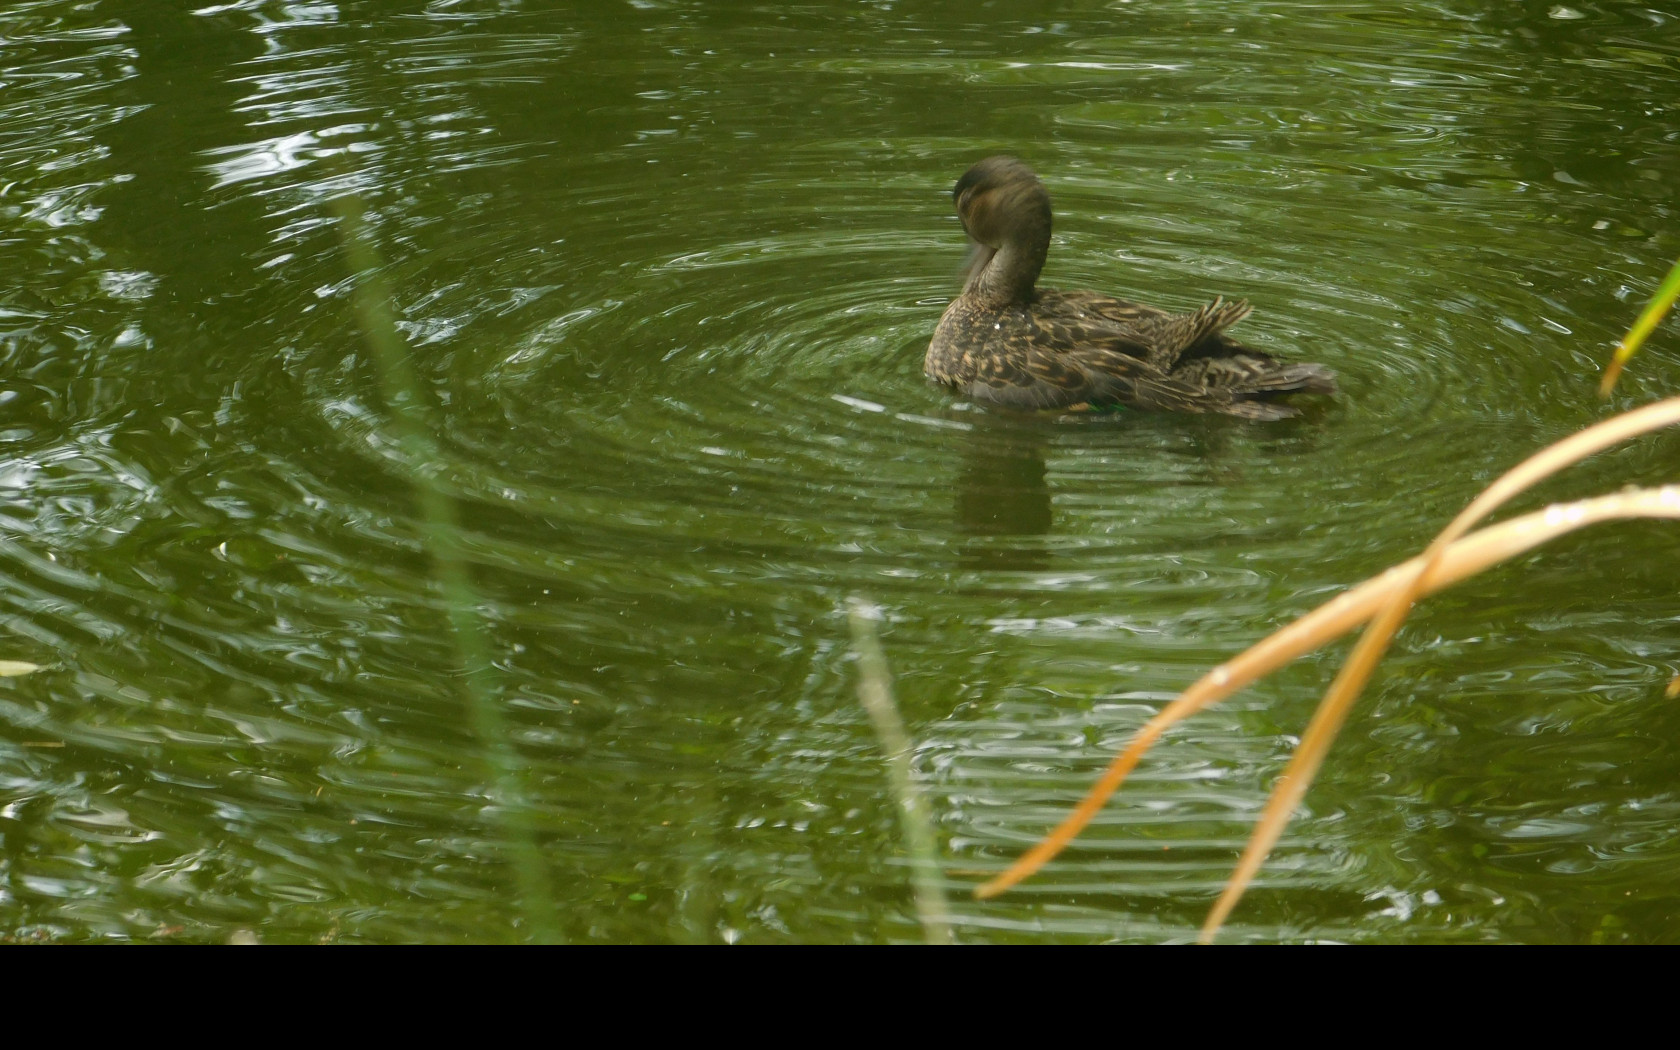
(664, 273)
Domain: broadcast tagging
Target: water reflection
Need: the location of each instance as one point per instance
(1003, 493)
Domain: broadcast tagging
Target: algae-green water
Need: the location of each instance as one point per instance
(664, 272)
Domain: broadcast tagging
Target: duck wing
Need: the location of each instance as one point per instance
(1070, 350)
(1165, 336)
(1049, 374)
(1074, 349)
(1052, 375)
(1196, 367)
(1040, 376)
(1095, 379)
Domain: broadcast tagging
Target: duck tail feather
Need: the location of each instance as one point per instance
(1261, 410)
(1305, 378)
(1205, 323)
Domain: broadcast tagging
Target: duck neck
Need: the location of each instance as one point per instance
(1009, 275)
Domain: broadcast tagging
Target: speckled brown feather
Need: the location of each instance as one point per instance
(1005, 342)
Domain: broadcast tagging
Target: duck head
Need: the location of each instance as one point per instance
(1005, 210)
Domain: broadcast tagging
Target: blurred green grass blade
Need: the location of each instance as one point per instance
(441, 534)
(1654, 311)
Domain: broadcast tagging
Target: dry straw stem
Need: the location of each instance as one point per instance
(1330, 621)
(1453, 559)
(1356, 673)
(875, 694)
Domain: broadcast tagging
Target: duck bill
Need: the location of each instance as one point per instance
(979, 256)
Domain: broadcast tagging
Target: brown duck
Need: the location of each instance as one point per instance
(1005, 342)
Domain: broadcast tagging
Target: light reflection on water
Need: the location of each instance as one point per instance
(667, 276)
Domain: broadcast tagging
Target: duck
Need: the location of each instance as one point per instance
(1006, 342)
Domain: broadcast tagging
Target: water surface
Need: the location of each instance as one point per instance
(665, 272)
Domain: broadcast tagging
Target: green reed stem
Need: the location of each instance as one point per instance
(875, 693)
(1647, 323)
(441, 535)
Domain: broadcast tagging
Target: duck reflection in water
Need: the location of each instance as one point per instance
(1003, 499)
(1006, 342)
